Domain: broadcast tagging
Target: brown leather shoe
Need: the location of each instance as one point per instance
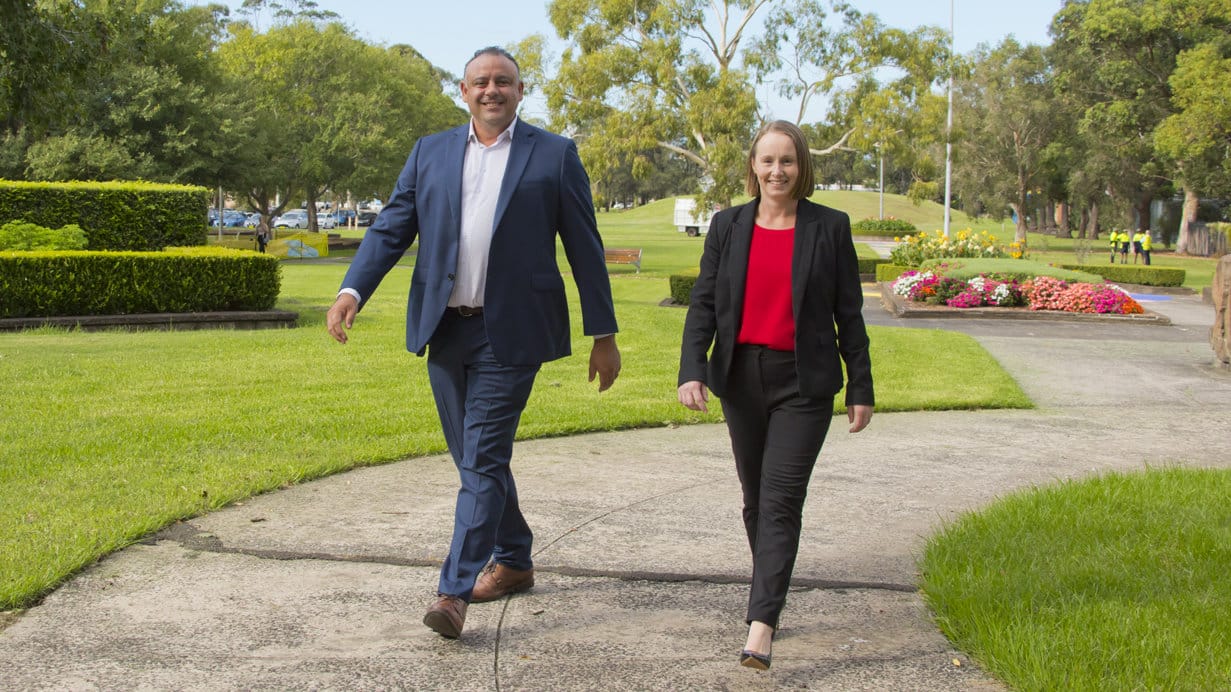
(446, 616)
(497, 581)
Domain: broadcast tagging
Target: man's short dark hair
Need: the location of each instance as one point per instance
(493, 50)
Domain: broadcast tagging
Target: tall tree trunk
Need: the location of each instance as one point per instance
(1062, 220)
(1142, 210)
(1188, 216)
(1092, 223)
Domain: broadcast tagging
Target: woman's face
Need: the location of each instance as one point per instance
(775, 165)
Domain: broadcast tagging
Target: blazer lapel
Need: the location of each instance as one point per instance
(807, 230)
(519, 155)
(456, 155)
(740, 244)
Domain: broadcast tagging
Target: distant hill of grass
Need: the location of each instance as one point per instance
(927, 216)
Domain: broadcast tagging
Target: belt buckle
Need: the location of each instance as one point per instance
(467, 311)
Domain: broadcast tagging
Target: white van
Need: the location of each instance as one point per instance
(684, 220)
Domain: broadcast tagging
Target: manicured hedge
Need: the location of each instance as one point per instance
(1005, 269)
(55, 284)
(681, 285)
(115, 215)
(868, 265)
(19, 235)
(866, 226)
(1140, 275)
(890, 272)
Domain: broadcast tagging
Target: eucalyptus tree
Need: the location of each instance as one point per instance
(330, 110)
(1004, 113)
(1115, 58)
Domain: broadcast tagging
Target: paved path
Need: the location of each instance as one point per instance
(641, 560)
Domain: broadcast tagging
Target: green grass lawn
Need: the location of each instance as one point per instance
(1111, 583)
(109, 436)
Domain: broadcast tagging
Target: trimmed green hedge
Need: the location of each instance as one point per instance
(681, 285)
(868, 265)
(882, 226)
(1004, 269)
(1140, 275)
(890, 272)
(115, 215)
(56, 284)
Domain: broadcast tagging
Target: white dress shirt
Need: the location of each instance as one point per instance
(482, 175)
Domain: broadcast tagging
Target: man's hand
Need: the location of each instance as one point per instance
(693, 395)
(605, 362)
(859, 416)
(341, 316)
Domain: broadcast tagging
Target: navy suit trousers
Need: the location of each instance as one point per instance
(480, 403)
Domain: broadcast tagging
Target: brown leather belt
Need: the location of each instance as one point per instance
(467, 311)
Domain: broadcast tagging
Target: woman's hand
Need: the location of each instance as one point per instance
(693, 395)
(859, 416)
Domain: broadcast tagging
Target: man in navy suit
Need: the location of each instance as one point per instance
(487, 201)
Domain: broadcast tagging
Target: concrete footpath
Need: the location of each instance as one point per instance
(642, 563)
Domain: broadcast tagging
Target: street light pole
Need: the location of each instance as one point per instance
(949, 130)
(881, 151)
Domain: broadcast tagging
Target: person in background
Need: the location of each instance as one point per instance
(1113, 238)
(1124, 241)
(775, 313)
(487, 202)
(1146, 242)
(1137, 244)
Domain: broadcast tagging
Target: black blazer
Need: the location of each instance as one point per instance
(826, 300)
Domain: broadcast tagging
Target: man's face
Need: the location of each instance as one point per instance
(492, 89)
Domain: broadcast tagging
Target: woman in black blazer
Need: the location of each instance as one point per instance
(779, 301)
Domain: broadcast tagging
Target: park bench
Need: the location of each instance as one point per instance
(624, 255)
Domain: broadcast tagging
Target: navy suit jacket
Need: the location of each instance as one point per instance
(545, 194)
(826, 302)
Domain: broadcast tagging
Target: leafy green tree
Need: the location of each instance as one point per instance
(148, 105)
(1005, 114)
(1114, 59)
(1197, 137)
(330, 111)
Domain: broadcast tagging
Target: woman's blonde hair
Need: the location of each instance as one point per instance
(806, 182)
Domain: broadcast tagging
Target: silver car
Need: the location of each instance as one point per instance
(295, 218)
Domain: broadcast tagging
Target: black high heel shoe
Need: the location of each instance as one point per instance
(752, 659)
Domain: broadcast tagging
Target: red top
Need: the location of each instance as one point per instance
(768, 320)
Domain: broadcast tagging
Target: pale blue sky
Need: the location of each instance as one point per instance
(447, 33)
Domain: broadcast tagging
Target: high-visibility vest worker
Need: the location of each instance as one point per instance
(1146, 241)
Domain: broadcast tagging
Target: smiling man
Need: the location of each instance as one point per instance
(486, 203)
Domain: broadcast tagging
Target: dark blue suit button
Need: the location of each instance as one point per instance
(450, 277)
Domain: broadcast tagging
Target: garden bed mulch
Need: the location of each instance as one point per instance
(901, 307)
(166, 321)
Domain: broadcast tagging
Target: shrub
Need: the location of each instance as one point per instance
(868, 265)
(1140, 275)
(889, 225)
(20, 235)
(198, 279)
(681, 285)
(1005, 269)
(889, 272)
(913, 250)
(123, 215)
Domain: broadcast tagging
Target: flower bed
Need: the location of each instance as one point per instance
(1038, 293)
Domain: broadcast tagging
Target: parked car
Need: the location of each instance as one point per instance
(231, 218)
(365, 218)
(345, 216)
(295, 218)
(253, 220)
(326, 220)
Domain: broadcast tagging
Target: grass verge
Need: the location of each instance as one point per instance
(1111, 583)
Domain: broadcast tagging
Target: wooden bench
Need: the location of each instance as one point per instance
(624, 255)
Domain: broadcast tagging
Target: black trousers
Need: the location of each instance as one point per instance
(776, 436)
